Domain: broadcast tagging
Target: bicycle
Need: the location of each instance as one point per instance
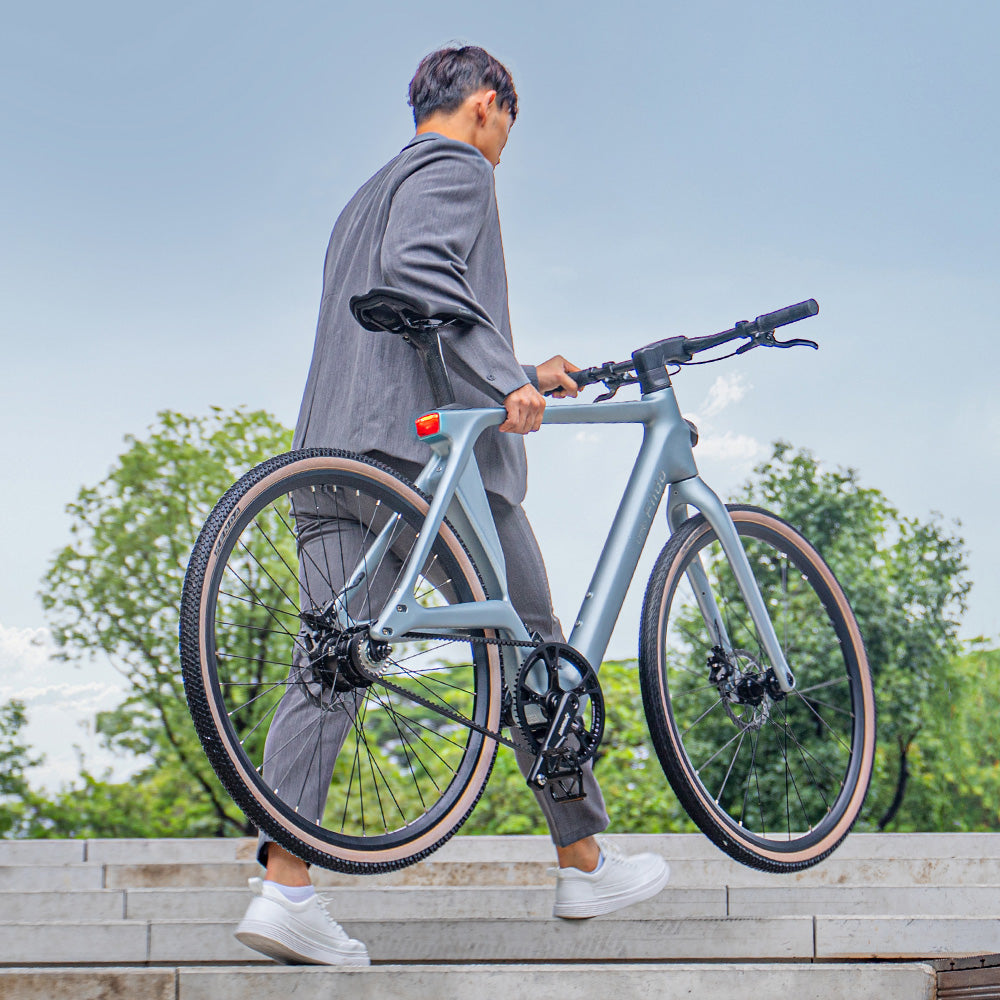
(381, 605)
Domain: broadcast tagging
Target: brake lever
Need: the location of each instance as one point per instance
(613, 383)
(766, 339)
(799, 342)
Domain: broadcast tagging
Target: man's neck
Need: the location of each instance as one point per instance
(450, 126)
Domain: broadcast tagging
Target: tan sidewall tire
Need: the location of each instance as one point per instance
(247, 776)
(774, 859)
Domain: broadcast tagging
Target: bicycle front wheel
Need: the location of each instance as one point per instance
(776, 781)
(363, 757)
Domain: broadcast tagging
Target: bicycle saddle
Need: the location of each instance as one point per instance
(395, 311)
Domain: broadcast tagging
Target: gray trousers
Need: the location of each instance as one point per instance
(528, 585)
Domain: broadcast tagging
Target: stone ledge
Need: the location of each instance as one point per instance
(857, 847)
(587, 981)
(905, 937)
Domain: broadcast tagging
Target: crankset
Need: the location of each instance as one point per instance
(559, 708)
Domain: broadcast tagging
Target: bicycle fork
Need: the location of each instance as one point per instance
(696, 493)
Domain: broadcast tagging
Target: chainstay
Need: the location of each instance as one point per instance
(444, 710)
(488, 641)
(448, 713)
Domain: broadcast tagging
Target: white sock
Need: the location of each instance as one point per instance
(294, 893)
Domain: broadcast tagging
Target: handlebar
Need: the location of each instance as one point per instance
(416, 321)
(648, 364)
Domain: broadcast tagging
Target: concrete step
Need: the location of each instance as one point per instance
(610, 939)
(859, 846)
(916, 860)
(534, 902)
(52, 878)
(911, 981)
(399, 903)
(394, 941)
(687, 873)
(92, 904)
(79, 912)
(873, 900)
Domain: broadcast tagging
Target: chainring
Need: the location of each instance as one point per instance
(552, 670)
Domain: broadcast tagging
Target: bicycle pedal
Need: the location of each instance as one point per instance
(567, 789)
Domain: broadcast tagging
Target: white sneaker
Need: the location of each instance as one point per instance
(296, 933)
(619, 881)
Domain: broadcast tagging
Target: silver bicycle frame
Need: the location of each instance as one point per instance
(665, 463)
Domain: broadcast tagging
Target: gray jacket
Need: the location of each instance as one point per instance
(426, 223)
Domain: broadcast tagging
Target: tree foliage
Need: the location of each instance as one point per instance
(115, 590)
(954, 761)
(16, 760)
(907, 581)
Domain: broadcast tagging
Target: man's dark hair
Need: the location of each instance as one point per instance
(445, 78)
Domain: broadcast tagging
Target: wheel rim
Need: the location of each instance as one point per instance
(402, 769)
(782, 774)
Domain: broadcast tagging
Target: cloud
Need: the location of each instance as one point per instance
(61, 700)
(723, 393)
(729, 447)
(737, 450)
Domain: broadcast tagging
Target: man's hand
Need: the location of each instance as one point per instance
(554, 375)
(525, 407)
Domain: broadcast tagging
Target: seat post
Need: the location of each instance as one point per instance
(428, 345)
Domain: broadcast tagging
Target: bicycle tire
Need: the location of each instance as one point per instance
(404, 777)
(804, 760)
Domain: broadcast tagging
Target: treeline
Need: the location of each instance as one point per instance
(114, 590)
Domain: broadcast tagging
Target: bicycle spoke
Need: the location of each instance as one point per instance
(824, 684)
(829, 728)
(729, 770)
(750, 773)
(728, 743)
(413, 725)
(255, 698)
(258, 603)
(701, 717)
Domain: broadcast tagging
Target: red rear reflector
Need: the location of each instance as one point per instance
(429, 423)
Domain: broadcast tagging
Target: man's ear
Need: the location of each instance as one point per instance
(483, 104)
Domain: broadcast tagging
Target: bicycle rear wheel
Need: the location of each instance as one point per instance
(775, 781)
(360, 769)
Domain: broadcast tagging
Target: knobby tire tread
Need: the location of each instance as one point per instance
(197, 698)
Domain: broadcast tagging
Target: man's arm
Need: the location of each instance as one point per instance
(434, 220)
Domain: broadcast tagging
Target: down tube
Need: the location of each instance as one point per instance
(616, 566)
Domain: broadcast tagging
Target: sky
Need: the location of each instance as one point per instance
(170, 174)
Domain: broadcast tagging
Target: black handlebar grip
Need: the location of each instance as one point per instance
(583, 378)
(790, 314)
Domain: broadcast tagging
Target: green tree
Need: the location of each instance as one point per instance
(955, 761)
(16, 760)
(114, 591)
(907, 581)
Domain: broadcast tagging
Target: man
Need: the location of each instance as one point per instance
(427, 223)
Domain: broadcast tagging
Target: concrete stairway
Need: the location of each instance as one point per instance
(138, 919)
